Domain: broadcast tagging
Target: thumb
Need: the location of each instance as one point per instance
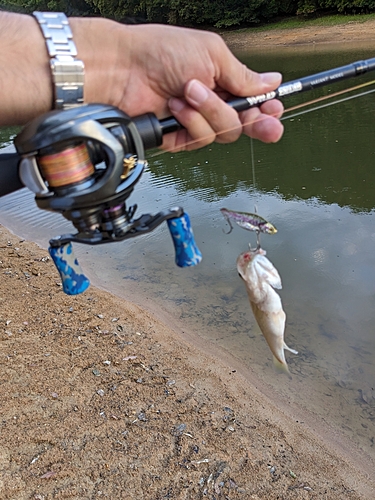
(236, 78)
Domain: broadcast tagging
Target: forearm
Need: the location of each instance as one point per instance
(25, 77)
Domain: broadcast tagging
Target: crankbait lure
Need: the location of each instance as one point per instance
(248, 221)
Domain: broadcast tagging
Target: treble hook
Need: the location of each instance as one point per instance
(230, 225)
(258, 243)
(258, 239)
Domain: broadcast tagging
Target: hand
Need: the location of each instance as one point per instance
(187, 73)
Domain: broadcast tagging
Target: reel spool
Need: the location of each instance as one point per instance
(84, 163)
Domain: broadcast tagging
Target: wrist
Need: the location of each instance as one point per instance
(103, 46)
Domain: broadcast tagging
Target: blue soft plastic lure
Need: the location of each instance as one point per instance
(73, 280)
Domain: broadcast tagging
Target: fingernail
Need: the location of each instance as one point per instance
(176, 105)
(272, 79)
(196, 92)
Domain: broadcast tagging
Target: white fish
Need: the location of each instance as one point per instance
(261, 277)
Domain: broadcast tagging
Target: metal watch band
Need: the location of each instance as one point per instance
(67, 71)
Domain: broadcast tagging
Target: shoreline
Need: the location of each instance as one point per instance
(223, 407)
(329, 438)
(359, 33)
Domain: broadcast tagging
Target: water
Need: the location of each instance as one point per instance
(317, 187)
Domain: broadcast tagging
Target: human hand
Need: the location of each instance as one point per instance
(187, 73)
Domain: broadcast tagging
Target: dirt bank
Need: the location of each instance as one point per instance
(353, 32)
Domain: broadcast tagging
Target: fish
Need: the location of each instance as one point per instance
(261, 278)
(248, 221)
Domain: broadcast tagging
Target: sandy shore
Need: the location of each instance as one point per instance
(101, 400)
(351, 32)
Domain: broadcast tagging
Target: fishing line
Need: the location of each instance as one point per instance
(293, 108)
(252, 161)
(325, 105)
(323, 98)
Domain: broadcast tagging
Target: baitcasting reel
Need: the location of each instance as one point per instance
(84, 163)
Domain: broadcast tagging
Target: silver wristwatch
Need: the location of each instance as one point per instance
(67, 71)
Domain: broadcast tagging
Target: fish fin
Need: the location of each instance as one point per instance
(267, 271)
(281, 367)
(289, 349)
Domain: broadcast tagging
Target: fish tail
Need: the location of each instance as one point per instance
(289, 349)
(281, 367)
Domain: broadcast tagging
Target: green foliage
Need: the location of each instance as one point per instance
(219, 14)
(341, 6)
(70, 7)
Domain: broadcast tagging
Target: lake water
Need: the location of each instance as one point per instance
(318, 187)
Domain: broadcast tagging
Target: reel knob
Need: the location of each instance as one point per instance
(187, 252)
(73, 280)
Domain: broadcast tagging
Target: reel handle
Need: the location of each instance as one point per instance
(187, 252)
(73, 280)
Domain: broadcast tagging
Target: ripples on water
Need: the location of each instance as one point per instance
(317, 187)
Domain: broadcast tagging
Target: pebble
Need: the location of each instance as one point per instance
(96, 372)
(179, 430)
(100, 392)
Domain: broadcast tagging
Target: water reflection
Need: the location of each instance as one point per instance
(316, 186)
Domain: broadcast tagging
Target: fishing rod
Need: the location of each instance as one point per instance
(84, 163)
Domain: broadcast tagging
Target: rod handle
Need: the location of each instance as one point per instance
(73, 280)
(187, 252)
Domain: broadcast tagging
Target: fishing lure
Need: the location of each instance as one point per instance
(248, 221)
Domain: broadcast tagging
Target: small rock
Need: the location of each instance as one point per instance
(100, 392)
(179, 430)
(96, 372)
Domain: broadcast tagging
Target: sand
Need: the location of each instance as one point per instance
(99, 399)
